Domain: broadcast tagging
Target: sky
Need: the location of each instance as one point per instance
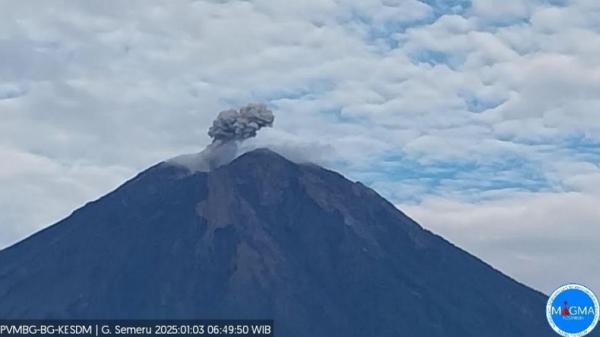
(480, 119)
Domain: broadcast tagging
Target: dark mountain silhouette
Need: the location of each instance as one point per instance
(262, 237)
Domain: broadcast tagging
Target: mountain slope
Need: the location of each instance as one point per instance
(262, 237)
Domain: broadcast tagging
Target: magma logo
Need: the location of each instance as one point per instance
(572, 310)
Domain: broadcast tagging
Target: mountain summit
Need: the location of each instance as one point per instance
(262, 237)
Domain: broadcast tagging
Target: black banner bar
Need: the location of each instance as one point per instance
(101, 328)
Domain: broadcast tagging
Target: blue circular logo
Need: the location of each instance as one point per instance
(572, 310)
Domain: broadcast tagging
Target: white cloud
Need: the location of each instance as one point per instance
(37, 191)
(501, 10)
(541, 239)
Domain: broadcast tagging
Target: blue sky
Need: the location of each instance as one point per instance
(480, 119)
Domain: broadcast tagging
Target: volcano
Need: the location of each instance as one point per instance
(261, 238)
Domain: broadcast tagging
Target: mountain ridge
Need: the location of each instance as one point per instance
(261, 237)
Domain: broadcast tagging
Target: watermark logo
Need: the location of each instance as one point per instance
(572, 310)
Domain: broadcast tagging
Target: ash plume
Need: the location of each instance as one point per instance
(229, 129)
(238, 125)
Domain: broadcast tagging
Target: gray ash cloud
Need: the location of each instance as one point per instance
(229, 129)
(241, 124)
